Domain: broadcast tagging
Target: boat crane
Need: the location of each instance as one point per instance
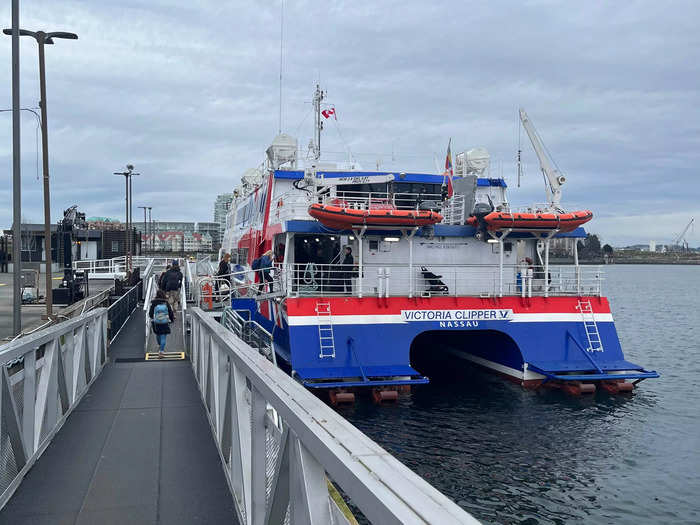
(554, 178)
(680, 239)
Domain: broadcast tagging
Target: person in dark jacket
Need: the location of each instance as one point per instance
(172, 281)
(3, 261)
(347, 267)
(161, 281)
(224, 271)
(160, 329)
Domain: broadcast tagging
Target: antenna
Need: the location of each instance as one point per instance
(281, 56)
(520, 168)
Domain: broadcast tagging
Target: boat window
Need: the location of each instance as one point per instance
(318, 249)
(374, 244)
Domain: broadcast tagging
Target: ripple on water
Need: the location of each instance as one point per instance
(508, 455)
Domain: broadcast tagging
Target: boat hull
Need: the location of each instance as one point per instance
(531, 340)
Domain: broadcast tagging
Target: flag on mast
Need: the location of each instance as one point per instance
(330, 112)
(448, 168)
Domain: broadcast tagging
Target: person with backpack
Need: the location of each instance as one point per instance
(161, 315)
(172, 281)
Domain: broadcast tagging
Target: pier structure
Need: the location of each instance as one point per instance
(91, 431)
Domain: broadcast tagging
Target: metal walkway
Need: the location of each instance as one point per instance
(91, 434)
(137, 449)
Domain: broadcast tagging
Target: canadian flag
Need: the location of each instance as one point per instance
(328, 113)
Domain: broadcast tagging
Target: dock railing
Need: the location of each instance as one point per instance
(43, 377)
(280, 446)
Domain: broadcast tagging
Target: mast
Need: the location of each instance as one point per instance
(318, 124)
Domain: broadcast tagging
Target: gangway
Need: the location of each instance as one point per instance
(131, 441)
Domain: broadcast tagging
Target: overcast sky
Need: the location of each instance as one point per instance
(188, 92)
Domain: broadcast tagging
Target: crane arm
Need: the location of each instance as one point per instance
(685, 230)
(554, 178)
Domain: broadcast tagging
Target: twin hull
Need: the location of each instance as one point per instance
(373, 336)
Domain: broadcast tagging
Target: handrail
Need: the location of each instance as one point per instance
(271, 431)
(63, 360)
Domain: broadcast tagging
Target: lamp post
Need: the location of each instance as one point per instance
(145, 228)
(16, 179)
(127, 178)
(42, 38)
(150, 228)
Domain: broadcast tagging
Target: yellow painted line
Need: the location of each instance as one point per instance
(57, 278)
(3, 284)
(167, 356)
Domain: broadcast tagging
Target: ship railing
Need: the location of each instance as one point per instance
(454, 210)
(240, 323)
(212, 292)
(284, 451)
(291, 206)
(428, 280)
(370, 200)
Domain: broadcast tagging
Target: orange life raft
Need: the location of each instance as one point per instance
(564, 222)
(338, 217)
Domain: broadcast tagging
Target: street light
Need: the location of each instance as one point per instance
(150, 227)
(42, 38)
(127, 177)
(145, 228)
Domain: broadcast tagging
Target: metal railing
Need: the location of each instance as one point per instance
(240, 323)
(454, 210)
(369, 200)
(425, 280)
(280, 446)
(119, 311)
(102, 268)
(43, 377)
(295, 204)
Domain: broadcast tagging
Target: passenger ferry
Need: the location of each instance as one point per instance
(428, 266)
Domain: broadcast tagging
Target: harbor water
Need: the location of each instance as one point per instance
(508, 455)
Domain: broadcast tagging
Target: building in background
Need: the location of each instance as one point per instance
(652, 246)
(213, 230)
(221, 207)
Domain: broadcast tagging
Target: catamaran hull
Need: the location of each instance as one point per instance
(530, 340)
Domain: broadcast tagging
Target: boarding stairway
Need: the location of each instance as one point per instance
(91, 432)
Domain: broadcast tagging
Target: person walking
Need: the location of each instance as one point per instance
(161, 315)
(347, 267)
(161, 278)
(265, 269)
(3, 260)
(172, 281)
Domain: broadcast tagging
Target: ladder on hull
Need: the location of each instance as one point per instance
(590, 326)
(325, 330)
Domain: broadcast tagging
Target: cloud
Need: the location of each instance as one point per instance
(188, 93)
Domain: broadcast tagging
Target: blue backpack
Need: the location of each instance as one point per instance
(160, 314)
